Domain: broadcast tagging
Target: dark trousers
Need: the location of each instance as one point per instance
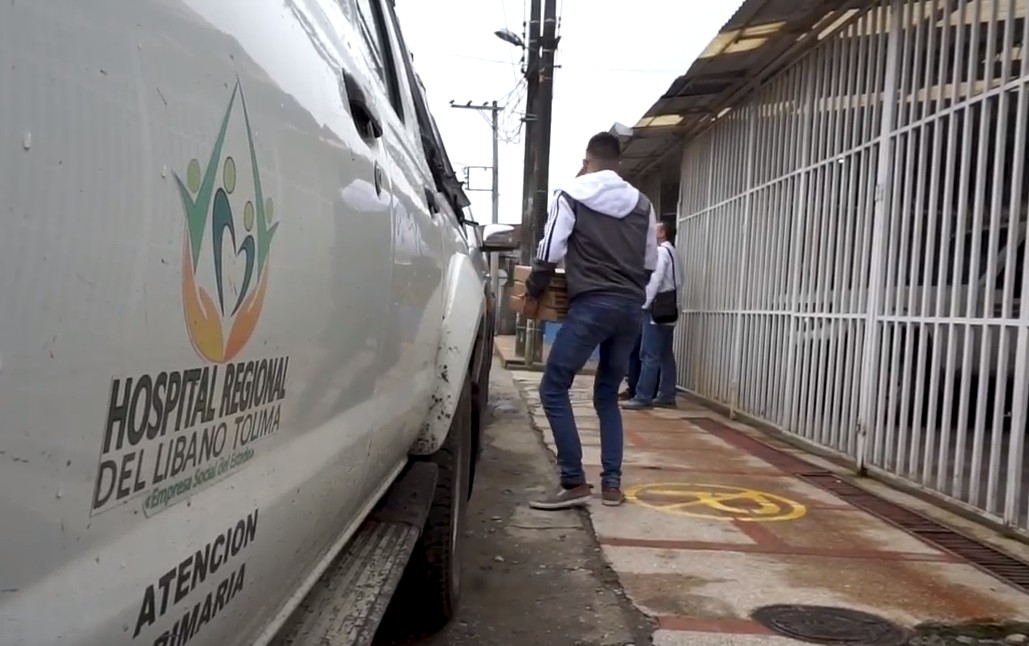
(657, 377)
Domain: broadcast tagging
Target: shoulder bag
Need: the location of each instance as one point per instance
(665, 308)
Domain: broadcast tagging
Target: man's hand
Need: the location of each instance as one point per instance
(530, 306)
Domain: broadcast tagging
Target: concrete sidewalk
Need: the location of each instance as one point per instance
(712, 531)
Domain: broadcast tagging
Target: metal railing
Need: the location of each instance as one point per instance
(854, 244)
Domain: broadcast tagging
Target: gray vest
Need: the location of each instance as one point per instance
(606, 255)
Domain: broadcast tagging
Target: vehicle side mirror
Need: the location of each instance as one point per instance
(498, 237)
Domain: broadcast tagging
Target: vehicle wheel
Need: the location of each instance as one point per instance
(431, 586)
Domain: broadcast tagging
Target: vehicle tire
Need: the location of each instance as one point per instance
(480, 411)
(484, 371)
(431, 586)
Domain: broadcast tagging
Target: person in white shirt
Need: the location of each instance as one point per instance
(656, 385)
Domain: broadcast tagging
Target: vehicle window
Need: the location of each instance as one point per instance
(435, 154)
(371, 23)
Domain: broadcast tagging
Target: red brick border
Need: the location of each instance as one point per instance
(724, 625)
(779, 548)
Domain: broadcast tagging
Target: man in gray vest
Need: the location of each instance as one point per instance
(604, 230)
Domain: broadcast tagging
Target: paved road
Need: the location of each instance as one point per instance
(532, 578)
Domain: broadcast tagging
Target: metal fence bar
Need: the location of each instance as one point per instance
(796, 253)
(1013, 512)
(749, 124)
(883, 186)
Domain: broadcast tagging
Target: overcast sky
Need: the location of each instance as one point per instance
(616, 59)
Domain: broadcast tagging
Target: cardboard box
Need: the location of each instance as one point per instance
(553, 304)
(549, 309)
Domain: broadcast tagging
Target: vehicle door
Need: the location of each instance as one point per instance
(414, 323)
(196, 428)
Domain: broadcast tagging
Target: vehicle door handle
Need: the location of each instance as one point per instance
(361, 111)
(430, 199)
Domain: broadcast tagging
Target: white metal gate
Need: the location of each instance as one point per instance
(854, 244)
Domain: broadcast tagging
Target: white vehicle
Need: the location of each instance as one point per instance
(243, 347)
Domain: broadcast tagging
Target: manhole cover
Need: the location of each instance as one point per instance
(827, 625)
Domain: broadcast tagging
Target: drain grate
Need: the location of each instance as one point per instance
(986, 558)
(770, 454)
(828, 625)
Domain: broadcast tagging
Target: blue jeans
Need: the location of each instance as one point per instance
(633, 376)
(657, 377)
(612, 323)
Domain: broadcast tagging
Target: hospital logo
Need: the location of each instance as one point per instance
(228, 235)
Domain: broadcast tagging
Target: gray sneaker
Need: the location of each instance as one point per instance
(563, 498)
(635, 404)
(666, 404)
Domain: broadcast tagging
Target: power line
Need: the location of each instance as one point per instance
(510, 120)
(574, 66)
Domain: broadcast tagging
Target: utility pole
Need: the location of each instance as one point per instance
(494, 261)
(544, 110)
(532, 76)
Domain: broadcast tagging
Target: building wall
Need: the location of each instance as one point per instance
(651, 187)
(854, 245)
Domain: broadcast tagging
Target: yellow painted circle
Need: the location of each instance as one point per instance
(715, 501)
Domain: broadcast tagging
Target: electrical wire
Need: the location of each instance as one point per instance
(507, 26)
(509, 116)
(509, 121)
(591, 68)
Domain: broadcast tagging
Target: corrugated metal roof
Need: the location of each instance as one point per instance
(761, 38)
